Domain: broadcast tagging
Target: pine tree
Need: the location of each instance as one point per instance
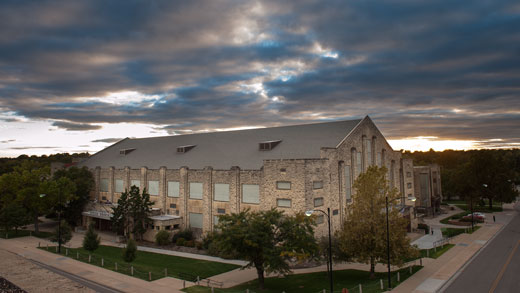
(130, 252)
(91, 240)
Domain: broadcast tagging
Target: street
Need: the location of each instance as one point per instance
(496, 268)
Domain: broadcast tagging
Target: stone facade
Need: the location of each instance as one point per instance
(291, 185)
(428, 191)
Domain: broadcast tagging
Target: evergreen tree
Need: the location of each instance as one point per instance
(66, 233)
(91, 240)
(130, 251)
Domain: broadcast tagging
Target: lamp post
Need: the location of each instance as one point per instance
(59, 219)
(329, 266)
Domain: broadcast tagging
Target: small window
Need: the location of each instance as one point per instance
(120, 186)
(268, 145)
(153, 187)
(317, 184)
(196, 220)
(320, 219)
(136, 183)
(283, 185)
(409, 185)
(103, 198)
(103, 185)
(408, 174)
(176, 226)
(221, 192)
(434, 180)
(283, 170)
(173, 188)
(125, 152)
(195, 190)
(318, 202)
(283, 203)
(335, 212)
(410, 196)
(251, 193)
(173, 206)
(221, 211)
(184, 148)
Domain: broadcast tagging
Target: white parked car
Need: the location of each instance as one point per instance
(477, 214)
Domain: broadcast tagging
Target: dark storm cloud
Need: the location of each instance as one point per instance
(75, 126)
(437, 68)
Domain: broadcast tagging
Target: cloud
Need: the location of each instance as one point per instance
(427, 68)
(8, 141)
(108, 140)
(75, 126)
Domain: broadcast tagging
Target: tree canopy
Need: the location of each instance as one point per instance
(132, 212)
(363, 236)
(266, 239)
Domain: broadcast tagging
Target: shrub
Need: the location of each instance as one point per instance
(180, 241)
(189, 243)
(130, 251)
(91, 239)
(186, 234)
(162, 238)
(199, 245)
(207, 240)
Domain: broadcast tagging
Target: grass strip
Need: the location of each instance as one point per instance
(316, 282)
(148, 262)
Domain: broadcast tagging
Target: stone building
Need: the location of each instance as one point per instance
(428, 191)
(195, 178)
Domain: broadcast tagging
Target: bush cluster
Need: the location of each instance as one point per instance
(162, 238)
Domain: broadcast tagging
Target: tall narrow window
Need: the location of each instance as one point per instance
(359, 163)
(392, 171)
(153, 187)
(173, 188)
(119, 186)
(379, 159)
(195, 190)
(369, 153)
(103, 187)
(348, 190)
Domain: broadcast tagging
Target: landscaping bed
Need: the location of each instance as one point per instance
(23, 233)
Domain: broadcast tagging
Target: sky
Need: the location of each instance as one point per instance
(77, 76)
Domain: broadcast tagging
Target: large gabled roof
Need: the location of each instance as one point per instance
(222, 150)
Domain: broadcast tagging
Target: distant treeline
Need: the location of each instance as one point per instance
(474, 173)
(8, 164)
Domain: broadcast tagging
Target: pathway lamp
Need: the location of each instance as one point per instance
(329, 264)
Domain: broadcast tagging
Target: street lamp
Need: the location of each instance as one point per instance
(388, 241)
(308, 214)
(59, 219)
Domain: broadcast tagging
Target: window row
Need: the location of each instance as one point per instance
(250, 192)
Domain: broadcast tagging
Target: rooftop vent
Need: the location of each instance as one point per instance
(268, 145)
(125, 152)
(185, 148)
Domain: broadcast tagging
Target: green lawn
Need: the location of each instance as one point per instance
(23, 233)
(316, 282)
(436, 252)
(482, 209)
(145, 262)
(452, 232)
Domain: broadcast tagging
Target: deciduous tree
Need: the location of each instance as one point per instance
(363, 236)
(266, 239)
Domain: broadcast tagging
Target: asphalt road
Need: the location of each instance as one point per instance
(496, 267)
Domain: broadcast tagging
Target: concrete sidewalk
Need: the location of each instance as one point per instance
(27, 247)
(438, 272)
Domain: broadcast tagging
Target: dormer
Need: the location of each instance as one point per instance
(185, 148)
(268, 145)
(125, 152)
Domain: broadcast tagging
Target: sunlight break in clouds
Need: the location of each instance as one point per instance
(425, 143)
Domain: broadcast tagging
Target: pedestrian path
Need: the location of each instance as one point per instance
(437, 272)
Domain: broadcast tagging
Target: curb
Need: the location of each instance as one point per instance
(468, 262)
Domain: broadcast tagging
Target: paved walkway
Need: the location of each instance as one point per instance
(437, 272)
